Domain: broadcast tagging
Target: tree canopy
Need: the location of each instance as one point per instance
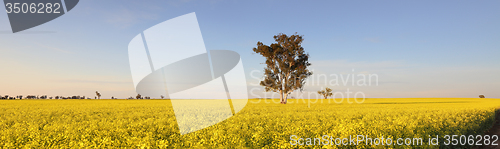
(98, 94)
(287, 65)
(326, 93)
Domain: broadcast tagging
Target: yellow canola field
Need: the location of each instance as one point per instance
(261, 124)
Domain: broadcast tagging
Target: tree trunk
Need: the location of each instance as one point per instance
(285, 97)
(281, 96)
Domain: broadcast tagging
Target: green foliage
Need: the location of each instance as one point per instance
(98, 94)
(326, 93)
(286, 63)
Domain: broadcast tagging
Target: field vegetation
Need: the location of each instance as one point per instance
(262, 123)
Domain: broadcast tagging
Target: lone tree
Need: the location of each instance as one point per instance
(326, 93)
(98, 95)
(287, 65)
(138, 96)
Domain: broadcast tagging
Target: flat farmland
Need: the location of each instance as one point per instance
(262, 123)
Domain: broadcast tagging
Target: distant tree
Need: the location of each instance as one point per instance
(138, 96)
(287, 65)
(325, 93)
(98, 94)
(162, 96)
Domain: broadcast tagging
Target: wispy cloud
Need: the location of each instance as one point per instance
(125, 17)
(178, 2)
(374, 39)
(400, 79)
(94, 81)
(361, 65)
(54, 48)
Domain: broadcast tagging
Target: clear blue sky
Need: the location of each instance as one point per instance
(417, 48)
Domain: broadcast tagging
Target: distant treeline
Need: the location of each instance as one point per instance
(57, 97)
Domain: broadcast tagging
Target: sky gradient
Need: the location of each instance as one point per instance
(416, 48)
